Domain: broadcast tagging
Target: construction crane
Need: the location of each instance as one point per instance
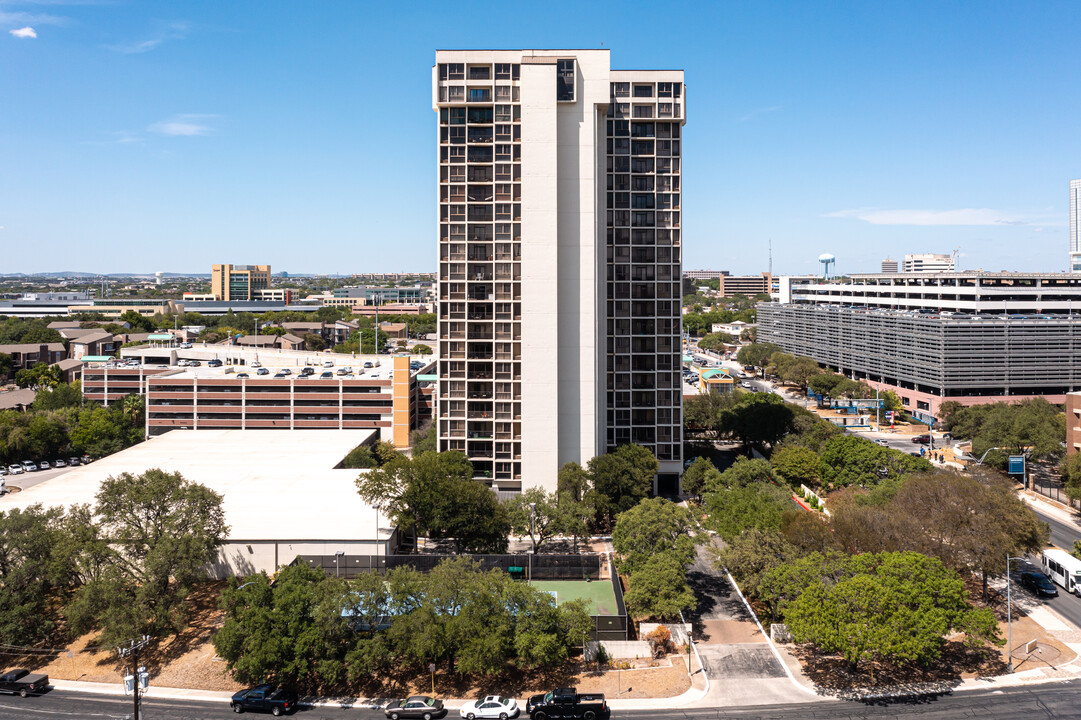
(953, 258)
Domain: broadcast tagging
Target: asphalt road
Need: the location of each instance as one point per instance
(1046, 701)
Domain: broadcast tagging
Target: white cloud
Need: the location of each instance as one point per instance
(24, 32)
(183, 125)
(756, 112)
(172, 31)
(964, 216)
(25, 18)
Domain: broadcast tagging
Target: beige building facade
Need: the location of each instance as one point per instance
(559, 264)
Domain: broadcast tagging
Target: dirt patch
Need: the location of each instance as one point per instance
(186, 661)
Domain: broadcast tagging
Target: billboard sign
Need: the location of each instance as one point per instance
(1016, 465)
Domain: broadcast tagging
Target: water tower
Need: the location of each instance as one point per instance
(826, 259)
(157, 277)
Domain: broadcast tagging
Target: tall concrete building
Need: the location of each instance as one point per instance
(889, 265)
(238, 282)
(1075, 226)
(928, 262)
(559, 260)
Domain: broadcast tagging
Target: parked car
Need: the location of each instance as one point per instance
(922, 439)
(368, 364)
(492, 706)
(242, 375)
(256, 363)
(29, 466)
(1039, 584)
(59, 463)
(417, 706)
(326, 374)
(262, 371)
(194, 363)
(214, 363)
(185, 346)
(15, 469)
(86, 459)
(43, 465)
(23, 682)
(882, 442)
(266, 698)
(345, 370)
(286, 371)
(567, 703)
(73, 461)
(328, 363)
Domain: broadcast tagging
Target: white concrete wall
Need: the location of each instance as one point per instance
(540, 270)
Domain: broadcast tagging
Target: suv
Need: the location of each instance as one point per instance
(262, 371)
(214, 363)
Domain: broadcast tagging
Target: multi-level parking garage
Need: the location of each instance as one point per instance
(928, 358)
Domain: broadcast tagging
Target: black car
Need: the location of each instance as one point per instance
(417, 706)
(265, 698)
(1039, 584)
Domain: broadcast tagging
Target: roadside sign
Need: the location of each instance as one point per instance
(1016, 465)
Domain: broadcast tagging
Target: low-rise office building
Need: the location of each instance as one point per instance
(27, 355)
(1073, 422)
(749, 285)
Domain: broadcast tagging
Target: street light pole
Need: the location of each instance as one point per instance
(1009, 616)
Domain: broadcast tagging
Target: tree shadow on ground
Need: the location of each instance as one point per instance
(884, 683)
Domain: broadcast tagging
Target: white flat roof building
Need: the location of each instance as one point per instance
(559, 260)
(927, 262)
(282, 495)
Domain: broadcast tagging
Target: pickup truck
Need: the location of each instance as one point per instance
(266, 698)
(567, 703)
(23, 682)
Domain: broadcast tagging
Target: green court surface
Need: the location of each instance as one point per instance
(599, 595)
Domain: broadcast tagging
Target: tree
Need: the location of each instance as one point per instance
(621, 479)
(755, 506)
(63, 395)
(756, 354)
(573, 479)
(848, 460)
(1033, 427)
(5, 365)
(422, 349)
(35, 563)
(39, 376)
(744, 472)
(535, 513)
(824, 383)
(162, 531)
(137, 322)
(654, 527)
(358, 458)
(752, 553)
(970, 523)
(471, 515)
(797, 465)
(896, 606)
(700, 476)
(290, 632)
(715, 342)
(1070, 468)
(659, 590)
(757, 419)
(313, 342)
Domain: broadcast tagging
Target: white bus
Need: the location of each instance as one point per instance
(1063, 569)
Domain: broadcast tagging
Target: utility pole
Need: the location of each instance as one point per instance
(137, 673)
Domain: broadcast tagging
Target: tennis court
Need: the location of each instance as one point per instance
(599, 595)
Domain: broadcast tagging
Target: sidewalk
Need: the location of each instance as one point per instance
(1049, 507)
(691, 696)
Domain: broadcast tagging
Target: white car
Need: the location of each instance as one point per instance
(256, 364)
(492, 706)
(15, 469)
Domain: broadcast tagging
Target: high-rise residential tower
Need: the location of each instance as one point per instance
(559, 260)
(1075, 226)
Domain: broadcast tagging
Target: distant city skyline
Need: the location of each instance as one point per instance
(144, 137)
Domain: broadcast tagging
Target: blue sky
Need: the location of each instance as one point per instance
(145, 136)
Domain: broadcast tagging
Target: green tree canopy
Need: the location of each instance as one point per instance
(161, 531)
(744, 472)
(700, 476)
(659, 589)
(654, 527)
(797, 465)
(760, 506)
